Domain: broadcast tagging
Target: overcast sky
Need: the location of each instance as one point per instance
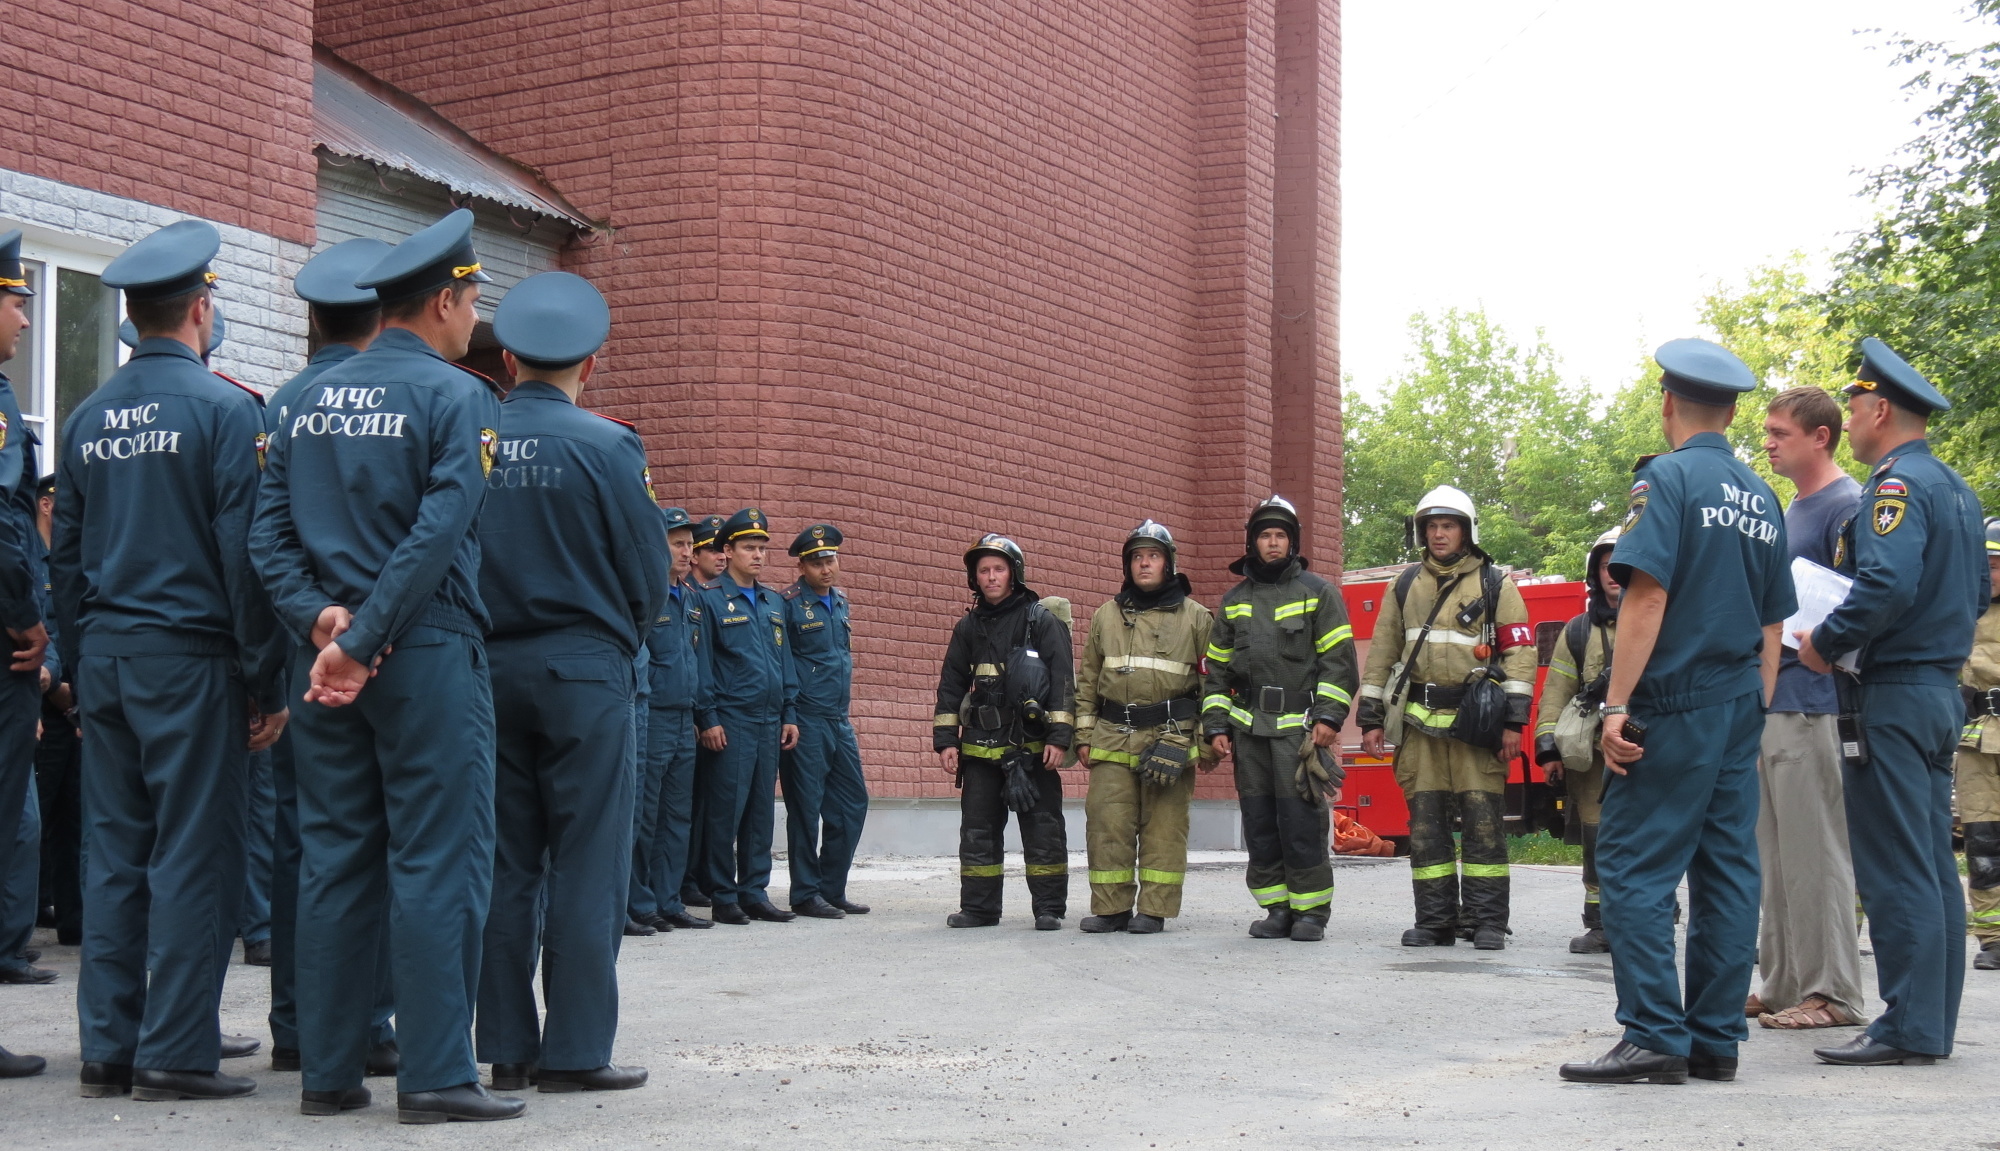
(1595, 167)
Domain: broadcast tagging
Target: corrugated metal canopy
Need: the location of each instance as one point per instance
(355, 114)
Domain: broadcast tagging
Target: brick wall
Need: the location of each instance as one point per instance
(930, 270)
(204, 108)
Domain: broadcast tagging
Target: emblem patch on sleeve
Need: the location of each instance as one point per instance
(1892, 487)
(646, 476)
(488, 441)
(3, 432)
(263, 448)
(1888, 516)
(1632, 513)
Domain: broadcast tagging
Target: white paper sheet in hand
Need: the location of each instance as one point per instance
(1819, 590)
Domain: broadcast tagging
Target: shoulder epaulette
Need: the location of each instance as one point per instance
(254, 393)
(1643, 461)
(794, 591)
(616, 420)
(489, 381)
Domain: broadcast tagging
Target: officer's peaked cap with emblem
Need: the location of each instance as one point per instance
(995, 544)
(439, 255)
(817, 540)
(1890, 376)
(746, 524)
(1703, 372)
(129, 335)
(552, 320)
(708, 531)
(171, 261)
(327, 280)
(676, 518)
(13, 279)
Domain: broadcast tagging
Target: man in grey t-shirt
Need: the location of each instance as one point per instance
(1806, 945)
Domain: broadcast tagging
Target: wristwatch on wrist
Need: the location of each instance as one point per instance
(1613, 709)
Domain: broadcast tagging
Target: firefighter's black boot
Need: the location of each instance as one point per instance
(1433, 871)
(1309, 926)
(1276, 925)
(1592, 941)
(1483, 847)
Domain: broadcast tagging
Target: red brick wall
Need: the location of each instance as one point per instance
(205, 108)
(929, 270)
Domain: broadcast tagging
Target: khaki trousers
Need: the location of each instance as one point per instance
(1976, 779)
(1120, 811)
(1808, 941)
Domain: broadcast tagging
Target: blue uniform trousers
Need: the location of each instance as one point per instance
(21, 886)
(562, 803)
(670, 744)
(165, 772)
(284, 1016)
(1899, 820)
(1689, 807)
(694, 883)
(738, 822)
(254, 917)
(20, 707)
(396, 810)
(644, 900)
(826, 802)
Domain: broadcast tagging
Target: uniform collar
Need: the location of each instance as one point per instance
(538, 390)
(334, 353)
(1706, 440)
(405, 340)
(1917, 447)
(165, 346)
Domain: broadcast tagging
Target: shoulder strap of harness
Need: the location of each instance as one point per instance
(1576, 636)
(1405, 582)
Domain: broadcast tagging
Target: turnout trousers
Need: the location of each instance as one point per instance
(396, 811)
(1976, 784)
(982, 839)
(1585, 791)
(740, 818)
(1121, 810)
(1688, 808)
(1450, 784)
(1287, 837)
(164, 780)
(562, 816)
(20, 707)
(1899, 819)
(826, 802)
(670, 743)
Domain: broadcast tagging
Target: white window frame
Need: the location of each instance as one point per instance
(54, 251)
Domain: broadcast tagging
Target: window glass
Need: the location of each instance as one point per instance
(86, 338)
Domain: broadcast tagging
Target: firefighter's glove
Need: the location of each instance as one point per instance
(1162, 763)
(1020, 790)
(1319, 773)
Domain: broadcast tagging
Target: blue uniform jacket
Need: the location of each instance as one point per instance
(822, 650)
(745, 662)
(1916, 548)
(154, 497)
(570, 538)
(17, 515)
(281, 402)
(371, 490)
(675, 645)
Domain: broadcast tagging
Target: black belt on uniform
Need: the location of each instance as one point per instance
(1437, 696)
(1980, 704)
(1137, 715)
(1279, 701)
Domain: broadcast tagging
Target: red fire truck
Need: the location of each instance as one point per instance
(1370, 795)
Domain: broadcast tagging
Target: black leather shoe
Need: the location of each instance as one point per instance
(818, 908)
(729, 913)
(1277, 924)
(632, 927)
(257, 954)
(26, 973)
(29, 954)
(696, 900)
(14, 1066)
(1143, 924)
(1865, 1052)
(285, 1059)
(1714, 1068)
(849, 906)
(104, 1080)
(513, 1076)
(685, 922)
(1988, 959)
(1430, 937)
(659, 923)
(334, 1102)
(1489, 939)
(968, 919)
(763, 909)
(1048, 923)
(1628, 1063)
(1103, 924)
(1591, 942)
(237, 1046)
(167, 1086)
(384, 1059)
(1308, 928)
(466, 1103)
(609, 1077)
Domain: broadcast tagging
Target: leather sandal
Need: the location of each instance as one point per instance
(1753, 1008)
(1812, 1013)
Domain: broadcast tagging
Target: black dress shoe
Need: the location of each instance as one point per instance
(659, 923)
(1628, 1063)
(763, 909)
(849, 906)
(1143, 924)
(104, 1080)
(818, 908)
(609, 1077)
(385, 1058)
(1105, 924)
(513, 1076)
(1489, 939)
(1048, 923)
(69, 936)
(257, 954)
(1714, 1068)
(729, 913)
(29, 954)
(237, 1046)
(467, 1102)
(696, 900)
(1308, 928)
(14, 1066)
(1863, 1051)
(686, 922)
(26, 973)
(968, 919)
(334, 1102)
(285, 1059)
(167, 1086)
(632, 927)
(1430, 937)
(1277, 924)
